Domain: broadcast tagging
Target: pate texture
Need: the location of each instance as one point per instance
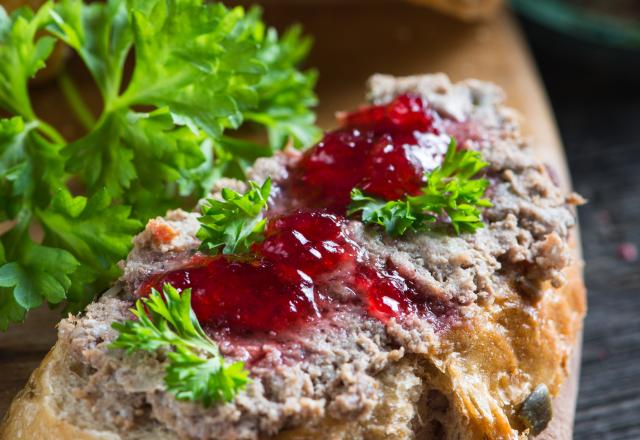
(340, 368)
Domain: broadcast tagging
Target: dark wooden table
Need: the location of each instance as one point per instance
(597, 105)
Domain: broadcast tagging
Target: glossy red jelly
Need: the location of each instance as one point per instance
(381, 150)
(273, 288)
(242, 295)
(284, 281)
(282, 284)
(388, 295)
(392, 170)
(406, 113)
(328, 171)
(314, 243)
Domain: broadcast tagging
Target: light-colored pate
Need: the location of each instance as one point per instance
(340, 369)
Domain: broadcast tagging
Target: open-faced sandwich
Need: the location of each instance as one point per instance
(409, 277)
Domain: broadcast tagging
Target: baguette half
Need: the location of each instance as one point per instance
(37, 412)
(468, 383)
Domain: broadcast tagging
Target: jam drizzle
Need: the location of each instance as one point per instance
(383, 150)
(287, 279)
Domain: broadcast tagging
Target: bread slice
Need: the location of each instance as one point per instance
(38, 411)
(365, 380)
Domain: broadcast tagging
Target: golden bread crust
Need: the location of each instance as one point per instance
(34, 413)
(468, 382)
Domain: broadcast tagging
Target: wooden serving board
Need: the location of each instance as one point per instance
(352, 41)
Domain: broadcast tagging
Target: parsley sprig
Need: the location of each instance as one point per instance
(196, 370)
(164, 134)
(235, 223)
(451, 196)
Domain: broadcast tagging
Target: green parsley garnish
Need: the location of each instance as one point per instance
(235, 223)
(164, 135)
(196, 370)
(451, 195)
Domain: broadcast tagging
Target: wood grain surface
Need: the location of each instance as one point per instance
(598, 112)
(351, 44)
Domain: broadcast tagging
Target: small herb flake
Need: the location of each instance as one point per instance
(451, 196)
(235, 223)
(196, 370)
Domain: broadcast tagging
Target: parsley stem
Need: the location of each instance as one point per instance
(50, 132)
(77, 104)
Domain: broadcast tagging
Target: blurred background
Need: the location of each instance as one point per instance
(588, 54)
(581, 55)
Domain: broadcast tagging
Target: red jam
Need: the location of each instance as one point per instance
(273, 288)
(381, 149)
(287, 279)
(393, 167)
(388, 293)
(327, 172)
(314, 243)
(243, 296)
(284, 282)
(406, 113)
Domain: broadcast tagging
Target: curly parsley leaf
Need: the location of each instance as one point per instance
(29, 166)
(395, 216)
(196, 370)
(451, 196)
(235, 223)
(10, 310)
(22, 53)
(100, 34)
(163, 137)
(93, 231)
(36, 274)
(131, 152)
(452, 191)
(286, 94)
(211, 68)
(15, 167)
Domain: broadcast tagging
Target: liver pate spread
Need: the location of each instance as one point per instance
(326, 307)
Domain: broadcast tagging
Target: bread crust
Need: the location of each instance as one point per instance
(33, 415)
(508, 345)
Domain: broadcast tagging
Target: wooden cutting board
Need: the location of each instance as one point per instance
(352, 41)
